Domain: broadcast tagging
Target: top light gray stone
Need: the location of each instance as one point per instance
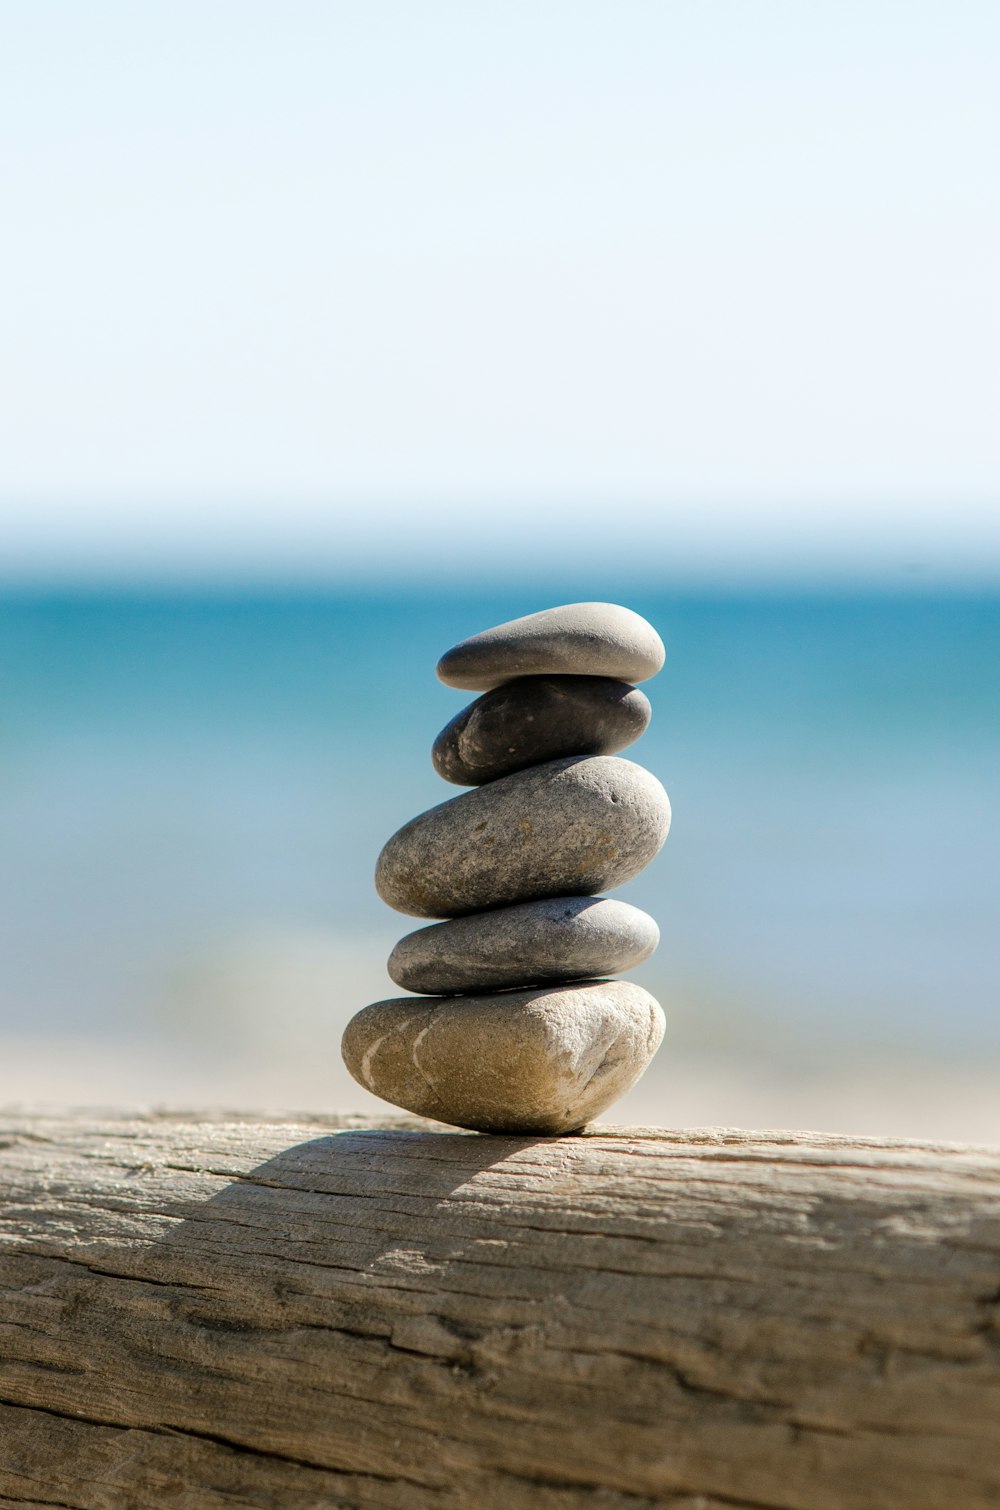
(577, 639)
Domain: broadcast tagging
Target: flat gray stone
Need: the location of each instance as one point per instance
(559, 938)
(541, 1061)
(577, 639)
(566, 828)
(538, 718)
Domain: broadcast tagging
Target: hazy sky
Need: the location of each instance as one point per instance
(289, 285)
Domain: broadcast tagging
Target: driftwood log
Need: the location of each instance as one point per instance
(202, 1312)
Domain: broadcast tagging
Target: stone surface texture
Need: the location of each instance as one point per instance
(558, 938)
(537, 718)
(576, 639)
(538, 1061)
(567, 828)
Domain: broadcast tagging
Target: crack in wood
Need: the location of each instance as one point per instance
(621, 1319)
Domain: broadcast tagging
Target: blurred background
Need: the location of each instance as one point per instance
(334, 333)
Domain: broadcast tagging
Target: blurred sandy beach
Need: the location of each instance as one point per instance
(957, 1104)
(257, 1026)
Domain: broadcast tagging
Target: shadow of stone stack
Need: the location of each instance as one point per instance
(517, 1030)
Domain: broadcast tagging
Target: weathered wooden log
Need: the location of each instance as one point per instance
(200, 1313)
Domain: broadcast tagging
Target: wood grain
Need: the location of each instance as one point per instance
(205, 1312)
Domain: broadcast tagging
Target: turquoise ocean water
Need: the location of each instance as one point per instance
(178, 768)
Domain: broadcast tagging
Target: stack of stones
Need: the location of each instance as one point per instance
(517, 1030)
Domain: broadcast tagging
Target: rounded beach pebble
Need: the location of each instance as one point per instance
(567, 828)
(541, 1061)
(559, 938)
(538, 718)
(578, 639)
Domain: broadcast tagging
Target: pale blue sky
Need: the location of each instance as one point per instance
(291, 286)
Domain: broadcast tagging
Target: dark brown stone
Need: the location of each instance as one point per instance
(538, 718)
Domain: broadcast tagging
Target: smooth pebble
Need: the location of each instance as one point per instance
(576, 639)
(566, 828)
(538, 1061)
(559, 938)
(537, 718)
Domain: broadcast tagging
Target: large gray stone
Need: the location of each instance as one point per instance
(538, 718)
(566, 828)
(542, 1061)
(558, 938)
(577, 639)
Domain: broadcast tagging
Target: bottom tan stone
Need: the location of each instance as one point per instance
(535, 1061)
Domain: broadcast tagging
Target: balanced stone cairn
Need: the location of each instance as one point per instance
(516, 1031)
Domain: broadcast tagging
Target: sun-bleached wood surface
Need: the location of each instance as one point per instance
(205, 1312)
